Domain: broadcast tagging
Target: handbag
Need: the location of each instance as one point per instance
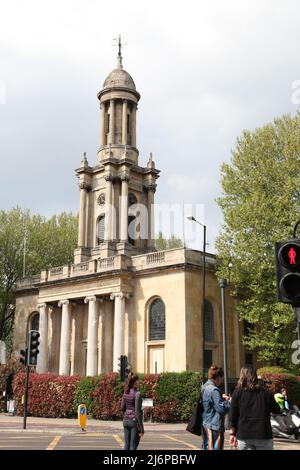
(195, 423)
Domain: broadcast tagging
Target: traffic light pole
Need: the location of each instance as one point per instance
(26, 397)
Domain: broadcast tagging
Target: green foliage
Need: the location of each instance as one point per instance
(163, 243)
(271, 370)
(83, 393)
(183, 388)
(260, 204)
(49, 242)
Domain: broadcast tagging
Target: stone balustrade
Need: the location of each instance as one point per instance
(176, 256)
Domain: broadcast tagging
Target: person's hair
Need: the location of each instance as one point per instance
(130, 381)
(214, 372)
(248, 378)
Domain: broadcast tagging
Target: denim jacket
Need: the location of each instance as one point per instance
(214, 406)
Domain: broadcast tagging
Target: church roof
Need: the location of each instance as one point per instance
(119, 78)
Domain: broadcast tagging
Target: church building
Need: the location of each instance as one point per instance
(121, 296)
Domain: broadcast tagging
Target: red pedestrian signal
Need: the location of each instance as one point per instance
(288, 271)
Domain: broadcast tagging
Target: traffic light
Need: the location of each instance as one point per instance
(33, 345)
(122, 367)
(23, 357)
(288, 271)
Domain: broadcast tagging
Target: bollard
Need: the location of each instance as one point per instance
(82, 416)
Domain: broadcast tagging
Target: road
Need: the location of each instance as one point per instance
(152, 440)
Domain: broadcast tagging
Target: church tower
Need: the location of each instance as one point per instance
(116, 195)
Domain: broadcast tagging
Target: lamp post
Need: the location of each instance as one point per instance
(223, 285)
(192, 218)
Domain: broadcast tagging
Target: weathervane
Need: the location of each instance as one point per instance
(119, 44)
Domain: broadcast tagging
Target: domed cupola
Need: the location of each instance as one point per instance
(118, 103)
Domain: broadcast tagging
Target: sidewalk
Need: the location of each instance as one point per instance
(66, 425)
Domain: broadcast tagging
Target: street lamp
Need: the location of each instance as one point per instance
(223, 285)
(192, 218)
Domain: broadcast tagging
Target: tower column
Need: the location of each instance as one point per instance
(43, 348)
(84, 189)
(92, 338)
(124, 123)
(65, 337)
(102, 125)
(151, 190)
(133, 125)
(108, 211)
(119, 327)
(112, 122)
(124, 208)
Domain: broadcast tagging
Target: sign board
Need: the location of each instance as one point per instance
(2, 352)
(147, 402)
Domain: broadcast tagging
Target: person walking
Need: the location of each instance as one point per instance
(133, 413)
(251, 406)
(215, 406)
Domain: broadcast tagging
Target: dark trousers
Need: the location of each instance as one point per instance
(131, 434)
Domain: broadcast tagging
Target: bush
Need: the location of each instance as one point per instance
(83, 393)
(180, 388)
(271, 370)
(11, 367)
(107, 397)
(49, 395)
(288, 381)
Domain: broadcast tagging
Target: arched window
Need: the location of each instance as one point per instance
(100, 229)
(132, 201)
(209, 327)
(34, 321)
(157, 321)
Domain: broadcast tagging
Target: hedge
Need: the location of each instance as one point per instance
(174, 394)
(280, 379)
(49, 395)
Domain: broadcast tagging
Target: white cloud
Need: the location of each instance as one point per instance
(205, 70)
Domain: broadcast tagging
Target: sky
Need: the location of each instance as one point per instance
(206, 71)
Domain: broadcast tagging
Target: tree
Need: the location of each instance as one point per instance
(163, 243)
(49, 242)
(260, 203)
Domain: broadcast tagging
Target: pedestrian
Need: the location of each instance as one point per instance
(282, 399)
(215, 406)
(251, 406)
(133, 413)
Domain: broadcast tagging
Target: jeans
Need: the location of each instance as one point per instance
(131, 434)
(255, 444)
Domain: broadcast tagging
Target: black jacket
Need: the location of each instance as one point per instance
(250, 413)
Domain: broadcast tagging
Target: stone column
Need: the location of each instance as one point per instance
(124, 208)
(133, 125)
(43, 347)
(124, 123)
(112, 122)
(151, 190)
(119, 326)
(92, 338)
(84, 189)
(102, 125)
(108, 211)
(65, 337)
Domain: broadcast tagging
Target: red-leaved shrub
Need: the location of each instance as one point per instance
(107, 397)
(49, 395)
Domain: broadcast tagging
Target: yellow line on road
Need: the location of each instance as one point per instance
(181, 442)
(54, 443)
(119, 440)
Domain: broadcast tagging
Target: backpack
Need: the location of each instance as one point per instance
(195, 423)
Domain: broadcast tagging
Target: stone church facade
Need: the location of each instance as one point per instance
(121, 296)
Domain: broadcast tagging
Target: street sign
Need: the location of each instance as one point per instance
(147, 403)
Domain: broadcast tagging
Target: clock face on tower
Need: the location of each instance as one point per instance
(101, 199)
